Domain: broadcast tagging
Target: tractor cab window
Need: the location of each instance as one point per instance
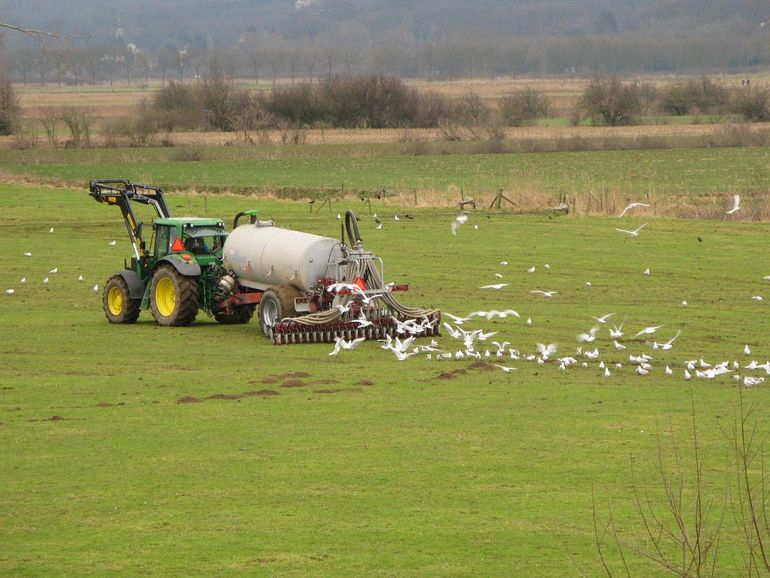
(163, 240)
(205, 241)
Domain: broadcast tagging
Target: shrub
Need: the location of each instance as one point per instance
(610, 101)
(753, 106)
(525, 106)
(9, 108)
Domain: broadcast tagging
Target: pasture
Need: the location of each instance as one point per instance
(207, 450)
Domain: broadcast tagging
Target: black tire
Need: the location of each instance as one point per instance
(277, 303)
(173, 297)
(239, 314)
(117, 302)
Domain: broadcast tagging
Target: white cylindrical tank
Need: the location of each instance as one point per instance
(261, 255)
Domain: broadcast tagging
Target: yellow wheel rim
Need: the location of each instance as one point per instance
(165, 297)
(115, 300)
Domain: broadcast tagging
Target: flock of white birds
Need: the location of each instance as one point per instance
(477, 345)
(604, 339)
(49, 278)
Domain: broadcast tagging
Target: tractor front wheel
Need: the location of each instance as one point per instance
(117, 302)
(276, 304)
(173, 297)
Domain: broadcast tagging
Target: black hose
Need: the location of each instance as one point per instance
(351, 225)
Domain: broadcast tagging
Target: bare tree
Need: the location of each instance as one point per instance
(609, 101)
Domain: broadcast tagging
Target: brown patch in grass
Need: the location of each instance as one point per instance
(364, 382)
(188, 399)
(104, 404)
(55, 418)
(447, 375)
(483, 365)
(260, 393)
(293, 383)
(224, 396)
(340, 390)
(270, 380)
(296, 374)
(325, 381)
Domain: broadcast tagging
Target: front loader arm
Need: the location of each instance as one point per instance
(122, 193)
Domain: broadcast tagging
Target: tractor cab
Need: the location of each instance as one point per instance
(195, 238)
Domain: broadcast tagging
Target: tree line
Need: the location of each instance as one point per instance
(376, 101)
(351, 51)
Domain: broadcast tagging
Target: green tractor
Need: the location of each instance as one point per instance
(309, 288)
(181, 270)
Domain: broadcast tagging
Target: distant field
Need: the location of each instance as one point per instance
(681, 182)
(107, 101)
(140, 450)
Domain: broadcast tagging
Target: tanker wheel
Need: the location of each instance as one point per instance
(117, 302)
(276, 304)
(239, 314)
(173, 297)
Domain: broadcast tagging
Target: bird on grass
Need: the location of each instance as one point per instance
(112, 243)
(634, 233)
(616, 331)
(494, 286)
(10, 291)
(668, 344)
(588, 337)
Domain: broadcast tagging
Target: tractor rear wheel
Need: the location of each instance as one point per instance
(239, 314)
(276, 304)
(173, 297)
(117, 302)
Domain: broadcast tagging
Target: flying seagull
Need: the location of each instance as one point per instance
(736, 204)
(634, 233)
(460, 219)
(632, 206)
(494, 286)
(603, 318)
(545, 293)
(648, 330)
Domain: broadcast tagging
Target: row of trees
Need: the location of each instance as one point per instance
(386, 102)
(372, 101)
(351, 52)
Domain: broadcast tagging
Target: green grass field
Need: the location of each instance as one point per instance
(313, 168)
(141, 450)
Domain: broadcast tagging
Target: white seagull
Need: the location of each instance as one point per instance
(545, 293)
(634, 233)
(9, 291)
(112, 243)
(340, 344)
(632, 206)
(588, 337)
(505, 368)
(736, 204)
(603, 318)
(460, 219)
(648, 330)
(494, 286)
